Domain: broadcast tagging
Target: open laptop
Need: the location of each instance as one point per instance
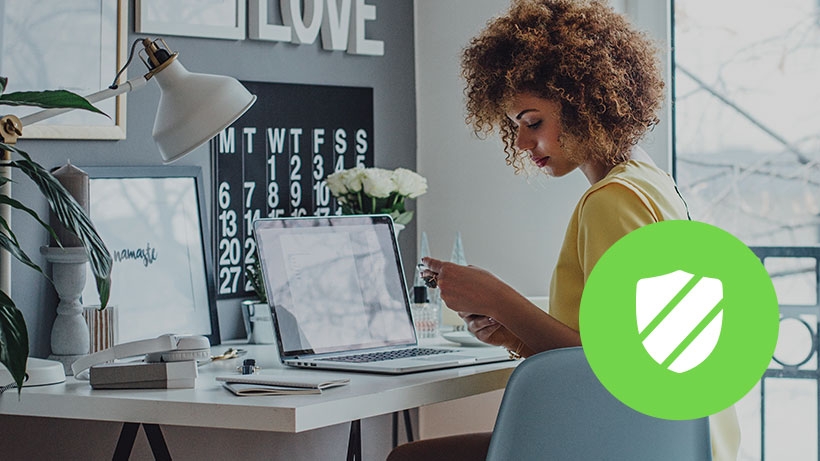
(337, 291)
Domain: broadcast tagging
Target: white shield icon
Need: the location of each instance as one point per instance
(671, 330)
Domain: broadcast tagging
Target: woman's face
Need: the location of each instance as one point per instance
(538, 127)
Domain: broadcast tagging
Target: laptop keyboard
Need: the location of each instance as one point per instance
(387, 355)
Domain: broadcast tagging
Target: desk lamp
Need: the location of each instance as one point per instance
(192, 109)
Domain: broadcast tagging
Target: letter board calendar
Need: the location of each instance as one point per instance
(273, 162)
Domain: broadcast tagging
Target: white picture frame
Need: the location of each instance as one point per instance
(77, 46)
(221, 19)
(152, 221)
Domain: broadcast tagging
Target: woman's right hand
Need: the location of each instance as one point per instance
(489, 331)
(470, 289)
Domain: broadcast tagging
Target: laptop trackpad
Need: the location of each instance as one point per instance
(447, 358)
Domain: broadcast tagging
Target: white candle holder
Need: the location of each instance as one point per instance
(69, 334)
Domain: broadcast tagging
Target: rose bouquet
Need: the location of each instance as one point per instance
(375, 191)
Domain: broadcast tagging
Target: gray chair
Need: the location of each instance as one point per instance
(554, 408)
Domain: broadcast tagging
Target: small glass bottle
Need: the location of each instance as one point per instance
(425, 314)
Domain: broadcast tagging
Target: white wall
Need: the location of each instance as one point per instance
(654, 17)
(509, 225)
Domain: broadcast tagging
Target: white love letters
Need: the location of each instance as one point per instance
(341, 23)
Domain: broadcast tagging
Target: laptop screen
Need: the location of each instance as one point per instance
(334, 283)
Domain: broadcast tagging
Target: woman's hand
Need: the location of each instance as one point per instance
(495, 313)
(488, 330)
(470, 289)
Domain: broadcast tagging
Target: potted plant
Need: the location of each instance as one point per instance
(14, 347)
(256, 313)
(254, 275)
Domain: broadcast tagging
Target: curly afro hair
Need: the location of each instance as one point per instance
(579, 53)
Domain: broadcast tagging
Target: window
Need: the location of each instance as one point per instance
(747, 121)
(746, 151)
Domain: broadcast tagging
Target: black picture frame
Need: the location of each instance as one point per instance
(153, 220)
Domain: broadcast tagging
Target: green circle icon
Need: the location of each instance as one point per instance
(679, 319)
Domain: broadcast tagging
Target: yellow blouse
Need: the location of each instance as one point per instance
(632, 195)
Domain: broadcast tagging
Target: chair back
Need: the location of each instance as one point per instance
(554, 408)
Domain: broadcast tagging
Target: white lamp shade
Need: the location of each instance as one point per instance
(193, 108)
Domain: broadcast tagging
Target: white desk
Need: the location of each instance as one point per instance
(209, 405)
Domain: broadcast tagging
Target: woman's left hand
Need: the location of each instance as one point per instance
(488, 330)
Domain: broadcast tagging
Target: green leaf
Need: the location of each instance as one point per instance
(12, 247)
(103, 289)
(13, 340)
(347, 209)
(403, 218)
(49, 99)
(15, 204)
(253, 273)
(73, 217)
(3, 82)
(6, 226)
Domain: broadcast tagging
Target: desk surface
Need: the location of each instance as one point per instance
(210, 405)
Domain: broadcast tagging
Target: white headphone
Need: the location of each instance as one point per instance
(166, 348)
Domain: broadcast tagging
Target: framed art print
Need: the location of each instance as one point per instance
(77, 46)
(151, 220)
(192, 18)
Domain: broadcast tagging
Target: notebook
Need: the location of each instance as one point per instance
(259, 384)
(337, 291)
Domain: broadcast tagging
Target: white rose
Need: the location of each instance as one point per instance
(410, 184)
(352, 179)
(336, 184)
(378, 183)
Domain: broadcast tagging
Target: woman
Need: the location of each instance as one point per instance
(569, 85)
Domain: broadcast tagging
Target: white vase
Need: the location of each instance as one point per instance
(258, 322)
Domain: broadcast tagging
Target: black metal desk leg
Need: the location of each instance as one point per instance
(128, 435)
(395, 416)
(126, 441)
(354, 443)
(408, 426)
(157, 442)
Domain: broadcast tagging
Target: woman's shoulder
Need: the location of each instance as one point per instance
(612, 195)
(634, 174)
(634, 183)
(625, 173)
(638, 169)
